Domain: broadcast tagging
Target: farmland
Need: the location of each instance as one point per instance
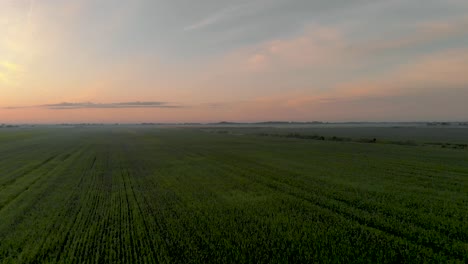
(136, 194)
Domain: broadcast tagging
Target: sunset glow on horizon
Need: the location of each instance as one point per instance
(240, 61)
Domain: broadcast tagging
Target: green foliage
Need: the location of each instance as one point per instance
(146, 195)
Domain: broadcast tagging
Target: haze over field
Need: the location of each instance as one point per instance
(181, 61)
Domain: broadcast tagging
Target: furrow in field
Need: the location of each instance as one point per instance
(20, 169)
(130, 195)
(75, 213)
(19, 166)
(37, 198)
(49, 251)
(155, 229)
(28, 179)
(372, 219)
(86, 202)
(13, 177)
(206, 243)
(160, 211)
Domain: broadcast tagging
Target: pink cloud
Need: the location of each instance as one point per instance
(429, 80)
(310, 76)
(329, 48)
(317, 46)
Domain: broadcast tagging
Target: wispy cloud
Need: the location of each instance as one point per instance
(213, 18)
(91, 105)
(228, 13)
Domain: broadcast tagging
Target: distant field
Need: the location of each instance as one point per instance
(416, 133)
(232, 195)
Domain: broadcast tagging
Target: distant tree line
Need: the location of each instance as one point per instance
(447, 123)
(318, 137)
(7, 126)
(363, 140)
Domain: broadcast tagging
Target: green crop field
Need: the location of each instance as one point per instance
(133, 194)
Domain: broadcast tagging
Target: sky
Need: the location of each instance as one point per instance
(65, 61)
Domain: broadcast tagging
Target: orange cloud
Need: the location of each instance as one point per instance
(328, 48)
(430, 80)
(317, 46)
(315, 75)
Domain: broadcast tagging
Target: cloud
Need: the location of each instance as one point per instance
(90, 105)
(317, 48)
(212, 19)
(431, 86)
(322, 58)
(443, 71)
(322, 47)
(227, 13)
